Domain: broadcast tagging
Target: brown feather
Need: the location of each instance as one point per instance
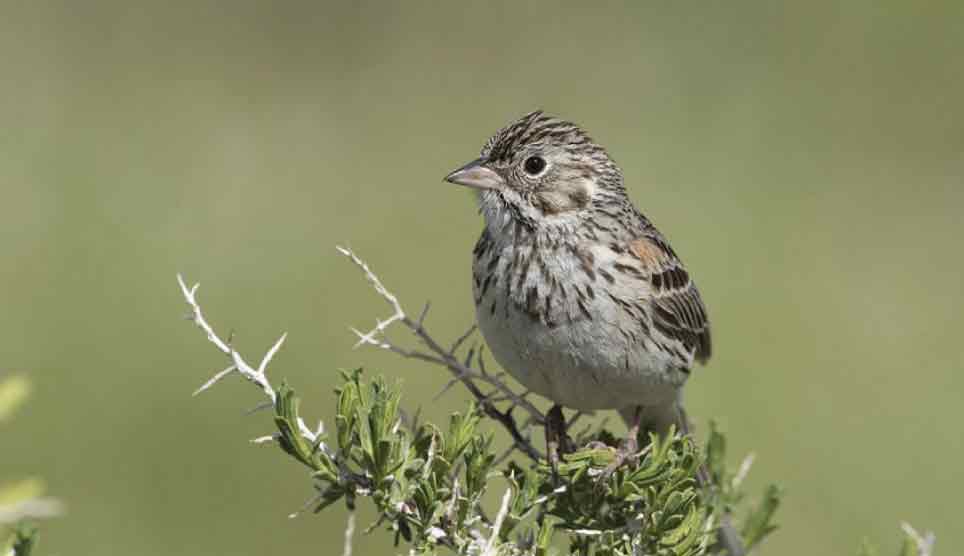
(678, 309)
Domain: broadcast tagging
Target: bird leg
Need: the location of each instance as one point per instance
(629, 451)
(558, 442)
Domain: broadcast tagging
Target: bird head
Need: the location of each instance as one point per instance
(540, 169)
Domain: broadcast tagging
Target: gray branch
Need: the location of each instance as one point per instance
(257, 376)
(461, 370)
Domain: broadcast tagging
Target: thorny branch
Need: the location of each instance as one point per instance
(468, 369)
(257, 376)
(461, 369)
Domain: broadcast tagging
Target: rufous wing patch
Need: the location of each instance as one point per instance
(651, 253)
(678, 309)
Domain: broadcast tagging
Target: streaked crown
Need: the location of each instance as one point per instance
(540, 166)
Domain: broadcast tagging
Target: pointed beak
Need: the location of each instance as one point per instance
(476, 175)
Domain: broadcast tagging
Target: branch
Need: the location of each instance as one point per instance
(461, 370)
(924, 543)
(491, 548)
(34, 508)
(258, 376)
(398, 470)
(349, 533)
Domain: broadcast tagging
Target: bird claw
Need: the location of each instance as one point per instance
(627, 453)
(597, 445)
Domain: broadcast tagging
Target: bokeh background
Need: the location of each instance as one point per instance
(805, 159)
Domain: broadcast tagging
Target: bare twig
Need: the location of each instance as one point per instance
(458, 343)
(461, 370)
(491, 548)
(743, 471)
(925, 542)
(33, 508)
(349, 533)
(258, 376)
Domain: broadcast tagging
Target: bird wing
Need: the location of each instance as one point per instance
(678, 310)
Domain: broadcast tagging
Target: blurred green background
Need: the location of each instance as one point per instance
(805, 159)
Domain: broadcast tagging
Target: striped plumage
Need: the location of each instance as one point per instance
(578, 295)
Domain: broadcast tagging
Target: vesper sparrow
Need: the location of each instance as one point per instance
(578, 295)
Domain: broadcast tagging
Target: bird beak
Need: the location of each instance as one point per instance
(476, 175)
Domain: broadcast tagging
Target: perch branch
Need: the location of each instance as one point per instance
(434, 353)
(257, 376)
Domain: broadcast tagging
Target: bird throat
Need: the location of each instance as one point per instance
(523, 268)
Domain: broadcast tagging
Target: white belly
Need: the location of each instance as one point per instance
(587, 364)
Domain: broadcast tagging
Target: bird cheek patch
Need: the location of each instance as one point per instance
(561, 200)
(569, 195)
(572, 195)
(582, 192)
(550, 202)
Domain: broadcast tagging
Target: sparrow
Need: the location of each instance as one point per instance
(577, 294)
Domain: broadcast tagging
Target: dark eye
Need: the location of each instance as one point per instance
(534, 164)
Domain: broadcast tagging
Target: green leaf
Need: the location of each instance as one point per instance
(716, 454)
(13, 392)
(428, 486)
(758, 523)
(867, 549)
(290, 439)
(461, 428)
(329, 497)
(24, 540)
(347, 407)
(544, 537)
(908, 547)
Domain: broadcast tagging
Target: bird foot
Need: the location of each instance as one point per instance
(627, 453)
(623, 456)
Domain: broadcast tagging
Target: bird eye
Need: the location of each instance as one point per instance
(534, 164)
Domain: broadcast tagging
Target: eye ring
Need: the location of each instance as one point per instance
(534, 165)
